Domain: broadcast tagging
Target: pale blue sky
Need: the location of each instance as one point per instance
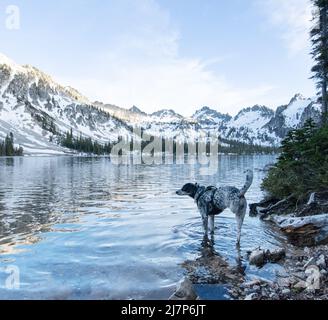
(180, 54)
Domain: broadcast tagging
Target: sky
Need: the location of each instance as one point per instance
(174, 54)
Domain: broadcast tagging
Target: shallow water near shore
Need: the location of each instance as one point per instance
(85, 228)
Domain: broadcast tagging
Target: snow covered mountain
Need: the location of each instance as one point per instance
(210, 119)
(293, 115)
(36, 109)
(259, 124)
(31, 103)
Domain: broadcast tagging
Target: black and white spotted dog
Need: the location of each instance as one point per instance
(212, 201)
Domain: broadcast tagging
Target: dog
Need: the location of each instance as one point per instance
(212, 201)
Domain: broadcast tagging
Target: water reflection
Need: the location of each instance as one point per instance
(85, 228)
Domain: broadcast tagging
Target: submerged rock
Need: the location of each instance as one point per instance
(184, 291)
(211, 268)
(260, 257)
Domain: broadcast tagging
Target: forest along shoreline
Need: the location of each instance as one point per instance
(296, 203)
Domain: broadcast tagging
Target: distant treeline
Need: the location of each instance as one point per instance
(84, 145)
(7, 147)
(244, 148)
(87, 145)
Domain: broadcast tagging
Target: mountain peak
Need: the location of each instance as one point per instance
(76, 95)
(206, 112)
(205, 108)
(165, 112)
(261, 110)
(4, 60)
(297, 97)
(135, 109)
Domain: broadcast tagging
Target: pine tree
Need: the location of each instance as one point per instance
(7, 147)
(319, 38)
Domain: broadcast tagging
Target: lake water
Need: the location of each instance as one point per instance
(85, 228)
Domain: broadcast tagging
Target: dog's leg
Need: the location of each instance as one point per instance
(212, 228)
(205, 224)
(211, 225)
(240, 216)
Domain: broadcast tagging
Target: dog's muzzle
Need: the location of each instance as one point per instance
(181, 193)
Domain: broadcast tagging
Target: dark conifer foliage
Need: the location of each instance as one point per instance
(7, 148)
(303, 164)
(84, 145)
(319, 38)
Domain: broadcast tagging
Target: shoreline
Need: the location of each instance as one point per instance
(303, 275)
(304, 278)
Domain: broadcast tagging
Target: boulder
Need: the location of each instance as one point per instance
(257, 258)
(260, 257)
(184, 291)
(301, 285)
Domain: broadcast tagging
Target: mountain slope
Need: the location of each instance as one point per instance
(36, 109)
(30, 102)
(292, 116)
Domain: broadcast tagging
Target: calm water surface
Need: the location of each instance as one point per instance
(85, 228)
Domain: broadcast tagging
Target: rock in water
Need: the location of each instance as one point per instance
(257, 258)
(184, 291)
(260, 257)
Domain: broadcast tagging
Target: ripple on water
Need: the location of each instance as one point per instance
(83, 228)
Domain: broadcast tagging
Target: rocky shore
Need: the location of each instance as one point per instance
(304, 277)
(303, 266)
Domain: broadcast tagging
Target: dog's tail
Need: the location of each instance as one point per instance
(248, 183)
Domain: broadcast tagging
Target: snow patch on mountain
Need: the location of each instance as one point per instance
(295, 109)
(253, 118)
(31, 101)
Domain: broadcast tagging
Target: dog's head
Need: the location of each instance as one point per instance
(188, 189)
